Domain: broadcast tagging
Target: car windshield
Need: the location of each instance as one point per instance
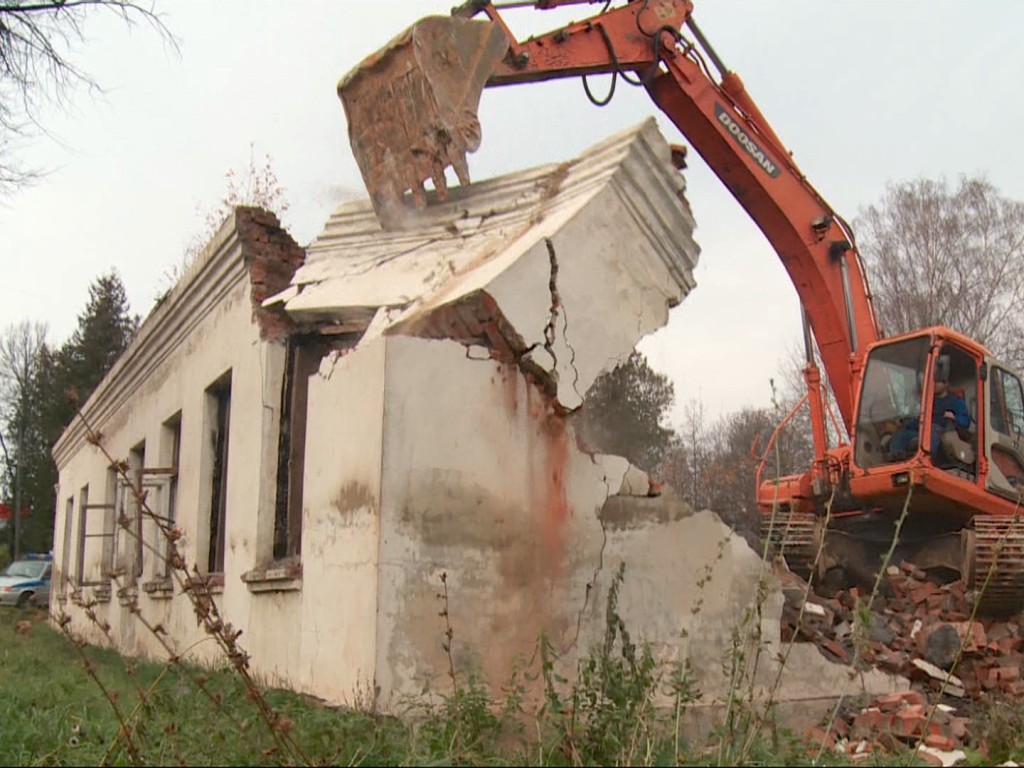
(26, 569)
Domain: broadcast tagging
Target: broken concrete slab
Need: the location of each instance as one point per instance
(576, 261)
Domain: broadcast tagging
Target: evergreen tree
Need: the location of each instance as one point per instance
(105, 329)
(65, 377)
(624, 411)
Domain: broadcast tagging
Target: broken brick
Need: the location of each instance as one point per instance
(1005, 674)
(921, 593)
(939, 741)
(1016, 688)
(909, 721)
(893, 701)
(835, 649)
(870, 721)
(972, 635)
(818, 737)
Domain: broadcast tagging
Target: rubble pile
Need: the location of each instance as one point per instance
(921, 630)
(894, 722)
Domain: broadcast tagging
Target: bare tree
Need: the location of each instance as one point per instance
(939, 255)
(37, 42)
(20, 347)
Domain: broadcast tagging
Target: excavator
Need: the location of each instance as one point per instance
(900, 483)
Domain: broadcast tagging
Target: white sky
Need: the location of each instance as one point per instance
(862, 91)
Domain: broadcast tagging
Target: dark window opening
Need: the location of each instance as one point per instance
(304, 356)
(219, 400)
(171, 448)
(65, 560)
(136, 468)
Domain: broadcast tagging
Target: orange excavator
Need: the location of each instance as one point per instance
(902, 482)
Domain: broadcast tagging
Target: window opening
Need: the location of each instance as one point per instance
(219, 402)
(304, 356)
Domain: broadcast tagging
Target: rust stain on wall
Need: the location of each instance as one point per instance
(548, 463)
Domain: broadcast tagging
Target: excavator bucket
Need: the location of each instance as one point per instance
(412, 109)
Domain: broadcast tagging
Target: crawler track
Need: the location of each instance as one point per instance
(792, 535)
(995, 562)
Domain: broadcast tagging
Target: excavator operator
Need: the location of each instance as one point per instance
(949, 409)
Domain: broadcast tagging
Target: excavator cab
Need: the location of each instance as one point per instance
(919, 401)
(938, 444)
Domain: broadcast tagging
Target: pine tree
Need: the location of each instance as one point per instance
(65, 377)
(105, 329)
(624, 411)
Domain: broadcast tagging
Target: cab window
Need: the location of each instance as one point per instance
(1007, 403)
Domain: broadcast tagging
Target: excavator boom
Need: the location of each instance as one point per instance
(412, 113)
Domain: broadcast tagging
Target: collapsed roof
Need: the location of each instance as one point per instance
(582, 256)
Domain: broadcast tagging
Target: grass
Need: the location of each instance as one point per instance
(53, 713)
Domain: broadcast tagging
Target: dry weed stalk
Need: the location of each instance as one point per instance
(449, 633)
(63, 622)
(196, 586)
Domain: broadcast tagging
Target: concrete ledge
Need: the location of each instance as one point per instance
(278, 577)
(101, 593)
(159, 589)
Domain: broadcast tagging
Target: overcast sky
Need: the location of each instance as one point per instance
(863, 92)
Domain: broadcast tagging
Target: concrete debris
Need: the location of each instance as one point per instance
(944, 757)
(921, 630)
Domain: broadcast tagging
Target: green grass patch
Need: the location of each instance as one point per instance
(53, 711)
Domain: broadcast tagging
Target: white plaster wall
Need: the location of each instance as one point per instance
(483, 483)
(697, 593)
(341, 513)
(612, 289)
(225, 339)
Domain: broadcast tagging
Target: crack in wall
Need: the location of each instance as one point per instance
(600, 558)
(557, 306)
(556, 303)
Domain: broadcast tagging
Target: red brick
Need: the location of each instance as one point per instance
(1005, 674)
(892, 661)
(893, 701)
(921, 593)
(870, 721)
(939, 741)
(1016, 688)
(973, 635)
(958, 728)
(818, 737)
(909, 721)
(835, 649)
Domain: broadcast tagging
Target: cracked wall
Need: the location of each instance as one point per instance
(483, 483)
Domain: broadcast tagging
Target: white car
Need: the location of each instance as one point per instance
(27, 582)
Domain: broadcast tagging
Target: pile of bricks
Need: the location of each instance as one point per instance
(923, 631)
(897, 722)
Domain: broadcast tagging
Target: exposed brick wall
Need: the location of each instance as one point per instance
(272, 257)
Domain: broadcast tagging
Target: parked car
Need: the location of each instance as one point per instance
(27, 581)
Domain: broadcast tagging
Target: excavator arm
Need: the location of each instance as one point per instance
(647, 40)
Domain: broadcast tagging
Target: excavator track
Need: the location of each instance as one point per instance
(995, 562)
(792, 535)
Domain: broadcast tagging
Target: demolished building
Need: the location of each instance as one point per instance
(336, 429)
